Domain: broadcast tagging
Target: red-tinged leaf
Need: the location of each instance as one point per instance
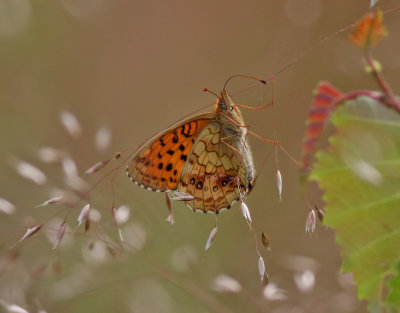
(325, 101)
(369, 31)
(30, 232)
(359, 176)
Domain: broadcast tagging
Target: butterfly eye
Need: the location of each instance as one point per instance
(222, 105)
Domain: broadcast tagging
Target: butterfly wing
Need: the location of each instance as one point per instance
(158, 165)
(213, 172)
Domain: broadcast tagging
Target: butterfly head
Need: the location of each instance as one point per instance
(226, 107)
(225, 102)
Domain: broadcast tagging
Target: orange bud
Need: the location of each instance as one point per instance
(369, 31)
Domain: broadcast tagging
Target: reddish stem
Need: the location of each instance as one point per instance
(389, 99)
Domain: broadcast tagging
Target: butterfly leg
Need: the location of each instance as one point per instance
(230, 146)
(233, 121)
(250, 132)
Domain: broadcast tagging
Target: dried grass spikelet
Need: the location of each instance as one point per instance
(84, 216)
(271, 292)
(120, 216)
(170, 217)
(71, 124)
(211, 237)
(103, 138)
(31, 172)
(54, 200)
(60, 234)
(261, 267)
(279, 183)
(305, 281)
(30, 232)
(96, 167)
(225, 283)
(7, 207)
(245, 211)
(311, 221)
(12, 308)
(180, 196)
(50, 155)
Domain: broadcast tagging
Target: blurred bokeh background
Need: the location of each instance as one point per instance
(132, 68)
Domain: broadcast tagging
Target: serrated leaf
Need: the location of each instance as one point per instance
(326, 98)
(360, 174)
(394, 284)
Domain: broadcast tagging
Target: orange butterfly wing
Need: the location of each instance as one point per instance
(158, 165)
(212, 171)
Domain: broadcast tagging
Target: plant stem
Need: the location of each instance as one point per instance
(389, 99)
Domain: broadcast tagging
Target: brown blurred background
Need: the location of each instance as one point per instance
(136, 67)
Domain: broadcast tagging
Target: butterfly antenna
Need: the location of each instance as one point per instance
(212, 92)
(262, 81)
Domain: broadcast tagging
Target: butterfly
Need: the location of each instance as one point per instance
(206, 156)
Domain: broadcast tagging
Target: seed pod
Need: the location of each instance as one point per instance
(265, 241)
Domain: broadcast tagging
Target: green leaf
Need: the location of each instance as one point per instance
(394, 284)
(360, 176)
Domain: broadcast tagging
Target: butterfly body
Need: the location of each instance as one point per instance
(206, 157)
